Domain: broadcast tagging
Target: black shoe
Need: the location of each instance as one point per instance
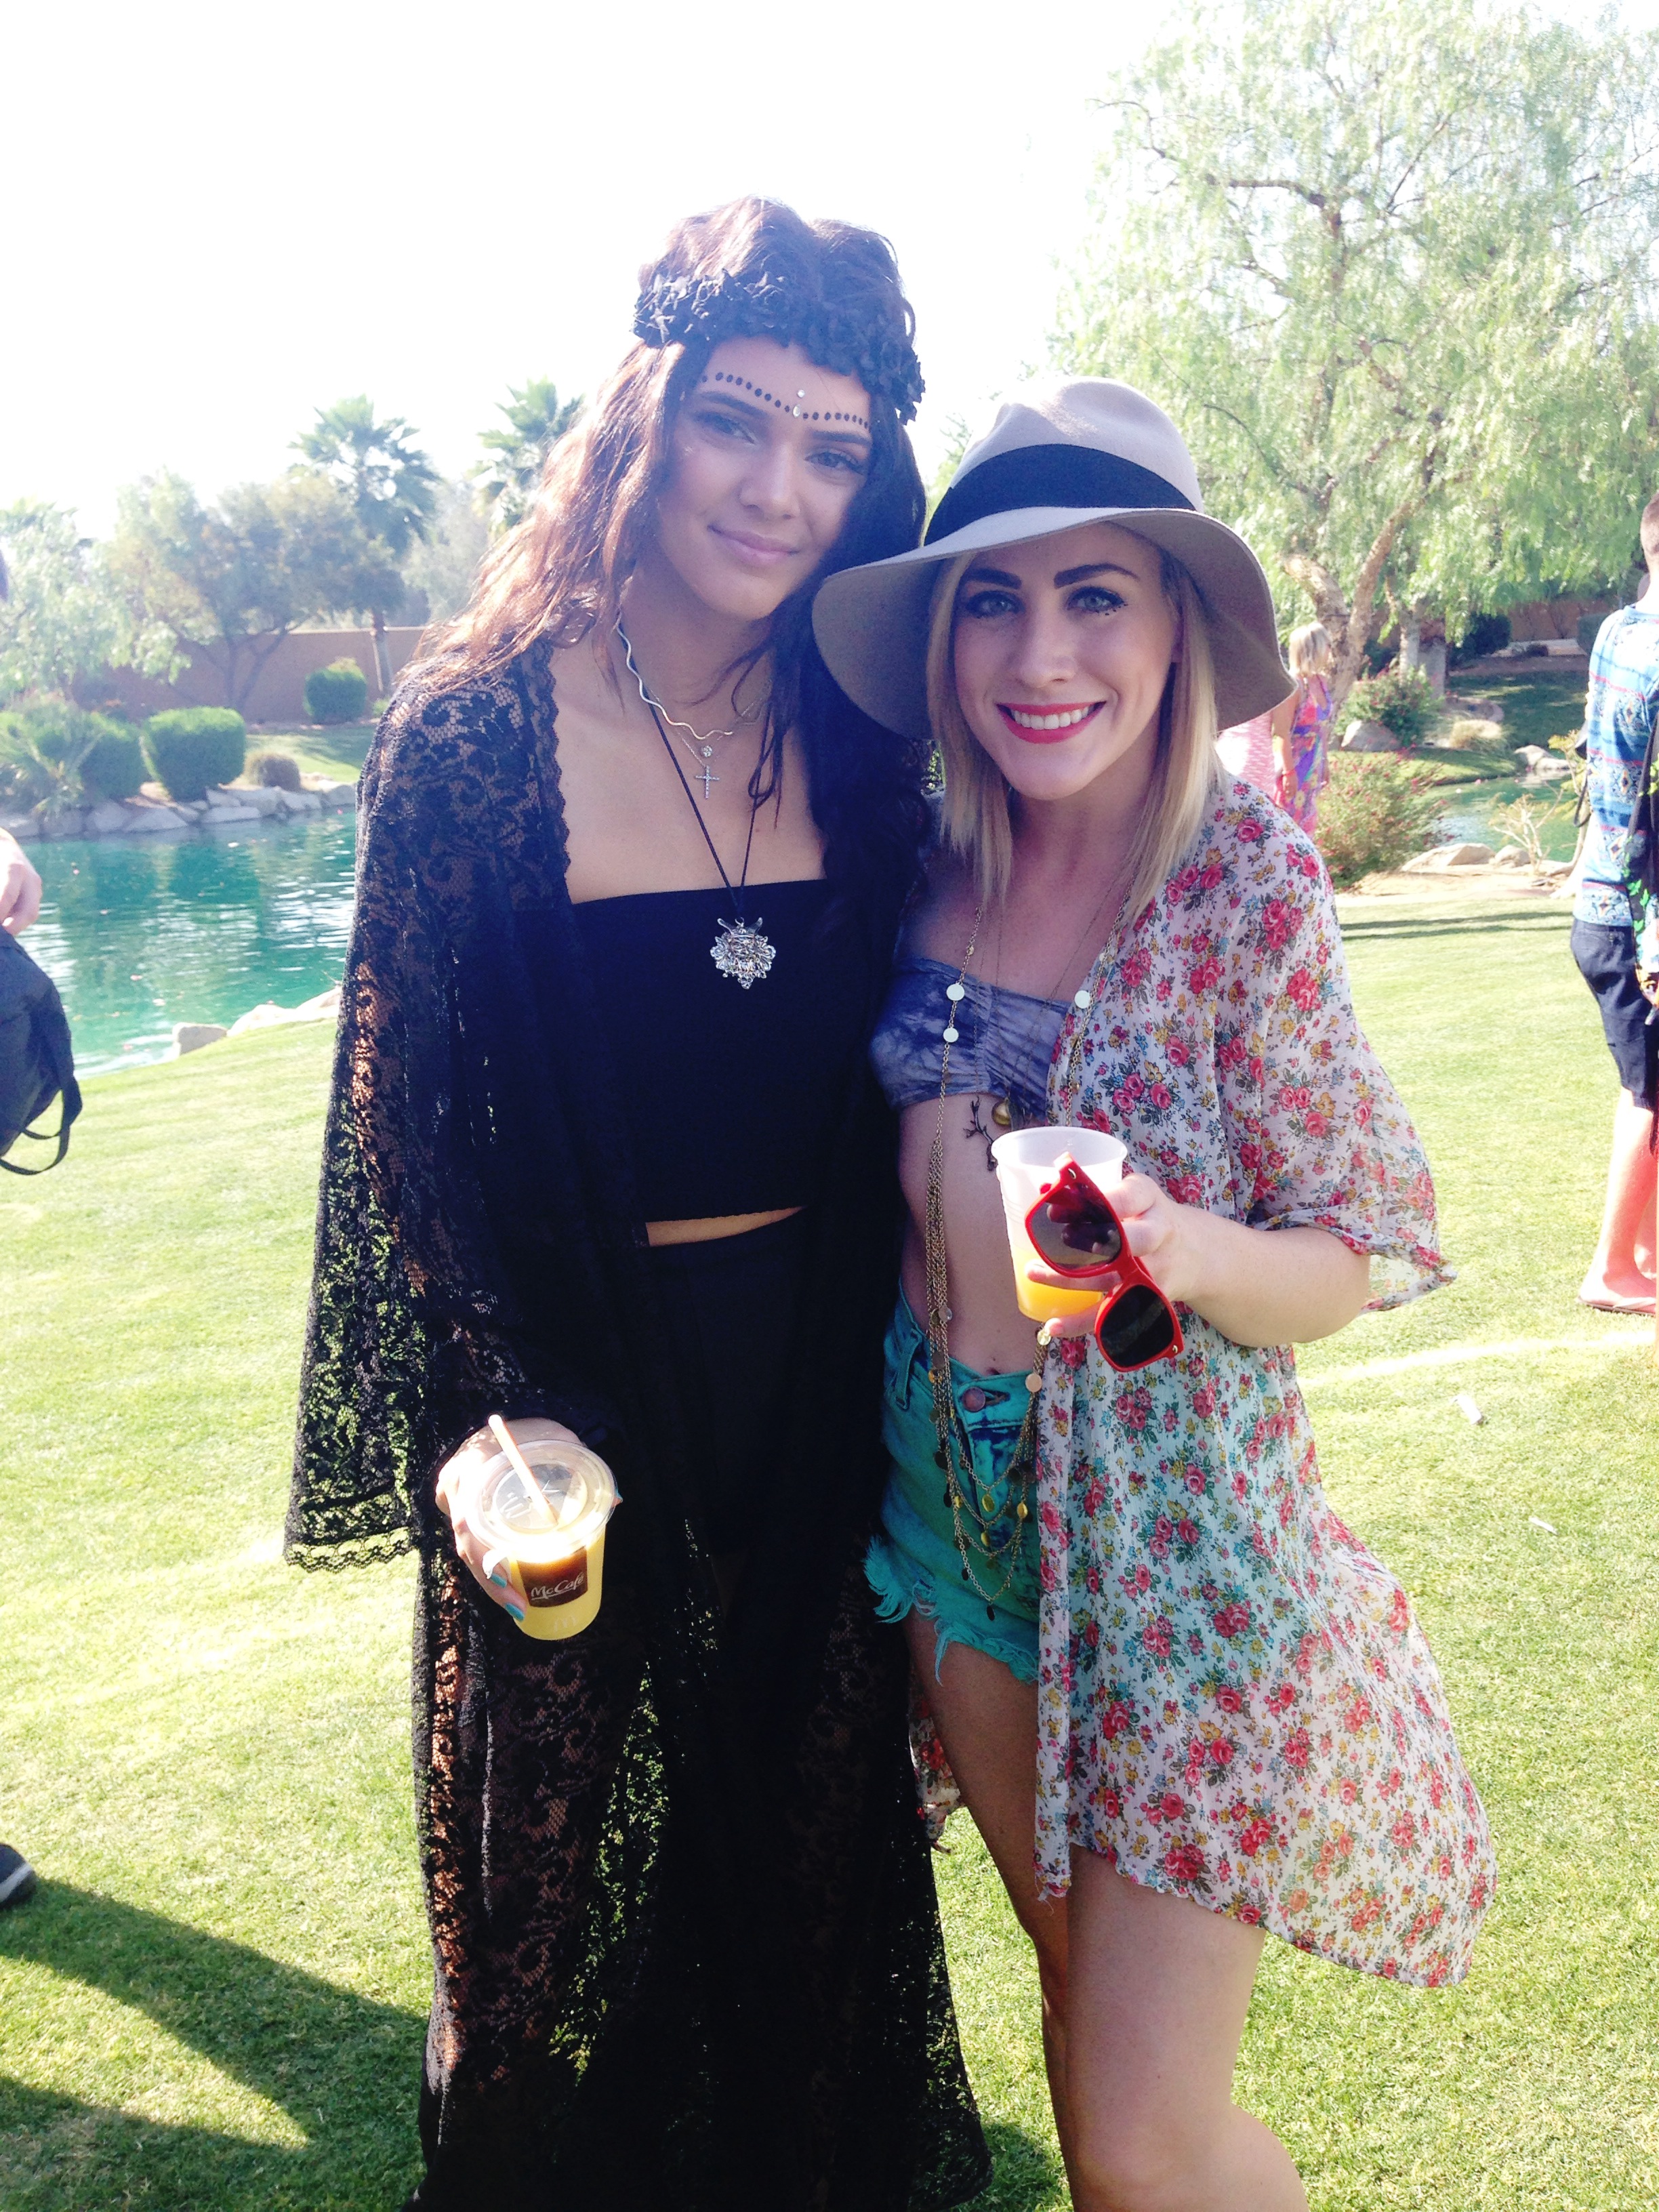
(17, 1877)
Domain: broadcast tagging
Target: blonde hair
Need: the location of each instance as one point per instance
(1185, 769)
(1310, 650)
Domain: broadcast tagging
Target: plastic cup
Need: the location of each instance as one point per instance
(1027, 1162)
(553, 1551)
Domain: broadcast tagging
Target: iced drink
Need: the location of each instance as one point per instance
(550, 1544)
(1027, 1160)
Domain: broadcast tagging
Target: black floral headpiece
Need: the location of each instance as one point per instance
(681, 310)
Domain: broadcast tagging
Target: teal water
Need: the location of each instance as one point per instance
(1469, 809)
(140, 934)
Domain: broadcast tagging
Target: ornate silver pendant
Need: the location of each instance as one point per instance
(741, 952)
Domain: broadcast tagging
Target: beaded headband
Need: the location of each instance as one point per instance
(801, 414)
(681, 310)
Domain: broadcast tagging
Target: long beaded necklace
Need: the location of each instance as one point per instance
(953, 1457)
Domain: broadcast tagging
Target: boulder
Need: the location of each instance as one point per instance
(1540, 765)
(191, 1036)
(292, 802)
(1369, 738)
(325, 1006)
(1510, 857)
(146, 821)
(1442, 857)
(339, 797)
(1479, 710)
(217, 816)
(105, 820)
(266, 801)
(69, 822)
(23, 827)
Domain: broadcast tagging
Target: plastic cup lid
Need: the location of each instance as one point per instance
(576, 1487)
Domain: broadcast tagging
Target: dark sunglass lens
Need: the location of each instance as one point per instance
(1068, 1231)
(1136, 1327)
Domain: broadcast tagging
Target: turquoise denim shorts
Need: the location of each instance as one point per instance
(912, 1560)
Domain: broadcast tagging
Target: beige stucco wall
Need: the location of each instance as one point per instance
(279, 692)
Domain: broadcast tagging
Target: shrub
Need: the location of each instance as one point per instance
(56, 753)
(1405, 703)
(1484, 633)
(1590, 628)
(1376, 811)
(190, 747)
(1470, 734)
(277, 771)
(338, 693)
(113, 766)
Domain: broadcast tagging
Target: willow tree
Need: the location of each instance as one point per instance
(1389, 266)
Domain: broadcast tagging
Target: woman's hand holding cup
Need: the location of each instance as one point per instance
(485, 1566)
(1158, 1229)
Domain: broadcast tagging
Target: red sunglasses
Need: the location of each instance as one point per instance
(1075, 1231)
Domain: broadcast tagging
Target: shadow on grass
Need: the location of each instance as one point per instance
(1026, 2173)
(1523, 921)
(344, 2069)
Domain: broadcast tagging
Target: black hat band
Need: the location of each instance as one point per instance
(1049, 476)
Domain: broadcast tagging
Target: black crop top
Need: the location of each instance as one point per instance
(732, 1096)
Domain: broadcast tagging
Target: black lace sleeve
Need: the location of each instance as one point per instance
(413, 1336)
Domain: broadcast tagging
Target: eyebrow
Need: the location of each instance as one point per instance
(747, 407)
(979, 575)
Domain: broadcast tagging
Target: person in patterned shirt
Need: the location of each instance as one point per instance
(1618, 715)
(1187, 1708)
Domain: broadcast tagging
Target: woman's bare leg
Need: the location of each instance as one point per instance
(1158, 1992)
(987, 1721)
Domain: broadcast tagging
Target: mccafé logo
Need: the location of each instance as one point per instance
(557, 1585)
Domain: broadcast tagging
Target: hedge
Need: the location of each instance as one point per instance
(338, 693)
(190, 747)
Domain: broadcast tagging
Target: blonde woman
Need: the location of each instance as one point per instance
(1301, 726)
(1147, 1642)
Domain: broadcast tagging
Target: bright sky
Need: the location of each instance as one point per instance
(220, 218)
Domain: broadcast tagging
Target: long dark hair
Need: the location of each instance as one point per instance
(558, 577)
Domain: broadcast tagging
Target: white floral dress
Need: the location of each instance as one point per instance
(1236, 1702)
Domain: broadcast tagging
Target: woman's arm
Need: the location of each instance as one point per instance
(1256, 1285)
(19, 887)
(1280, 722)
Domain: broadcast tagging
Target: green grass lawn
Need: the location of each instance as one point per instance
(1536, 706)
(337, 750)
(215, 2002)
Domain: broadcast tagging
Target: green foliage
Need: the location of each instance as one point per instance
(1376, 811)
(1402, 700)
(64, 618)
(1470, 734)
(1388, 267)
(387, 480)
(226, 584)
(276, 771)
(190, 747)
(55, 755)
(337, 693)
(1522, 822)
(511, 472)
(442, 568)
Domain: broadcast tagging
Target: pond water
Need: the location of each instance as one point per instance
(140, 934)
(1469, 809)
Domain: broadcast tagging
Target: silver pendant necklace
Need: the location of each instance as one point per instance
(739, 950)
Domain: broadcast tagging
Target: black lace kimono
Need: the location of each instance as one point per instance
(687, 1946)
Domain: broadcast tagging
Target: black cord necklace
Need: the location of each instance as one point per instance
(739, 951)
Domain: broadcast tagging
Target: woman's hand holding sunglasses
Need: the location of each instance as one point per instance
(1087, 1237)
(1158, 1231)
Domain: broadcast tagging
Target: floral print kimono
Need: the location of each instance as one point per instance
(1236, 1701)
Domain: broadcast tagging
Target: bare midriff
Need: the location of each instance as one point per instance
(713, 1225)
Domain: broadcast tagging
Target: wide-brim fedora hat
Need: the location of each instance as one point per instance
(1061, 453)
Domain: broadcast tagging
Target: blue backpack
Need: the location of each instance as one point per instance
(37, 1063)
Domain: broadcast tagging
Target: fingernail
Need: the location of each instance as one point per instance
(498, 1582)
(515, 1613)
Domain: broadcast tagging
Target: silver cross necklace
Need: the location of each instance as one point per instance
(698, 743)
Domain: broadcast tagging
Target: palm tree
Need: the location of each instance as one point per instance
(511, 471)
(391, 485)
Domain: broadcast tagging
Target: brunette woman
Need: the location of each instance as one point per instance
(1117, 1569)
(604, 1159)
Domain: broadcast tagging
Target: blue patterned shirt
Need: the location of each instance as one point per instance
(1619, 712)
